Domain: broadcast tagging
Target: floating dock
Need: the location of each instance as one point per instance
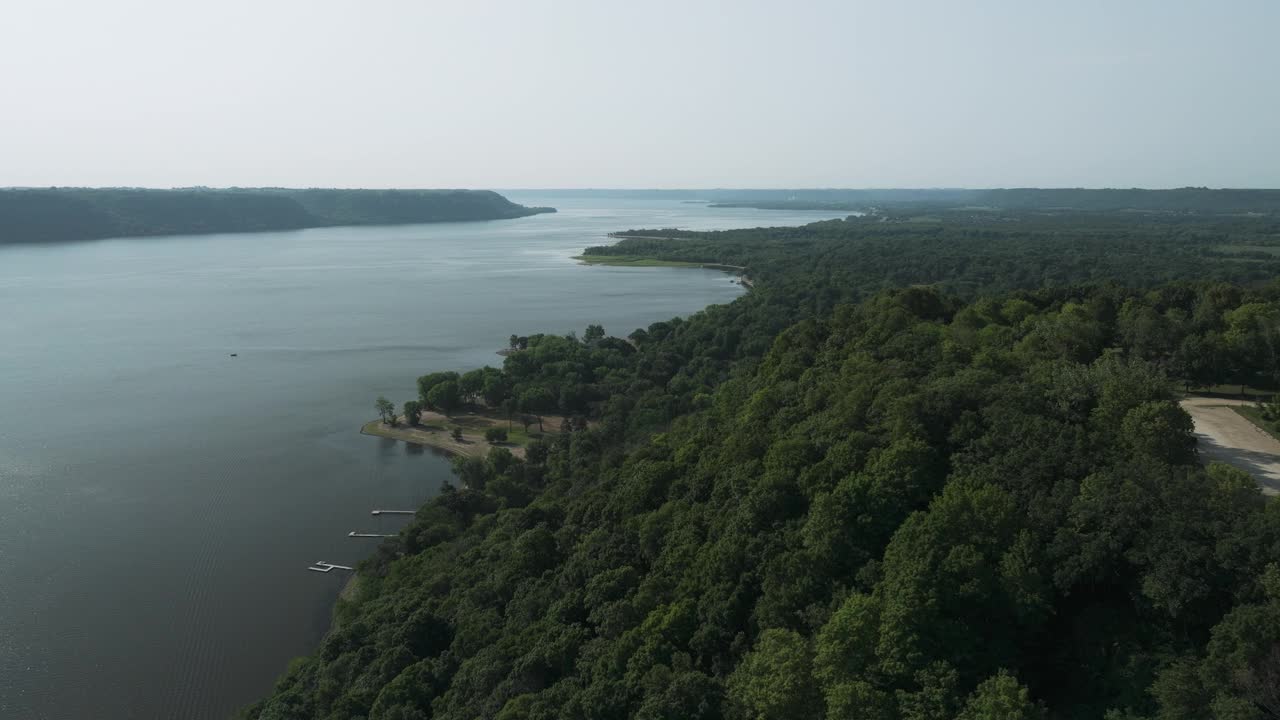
(324, 567)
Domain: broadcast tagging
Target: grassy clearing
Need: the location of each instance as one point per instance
(517, 436)
(1253, 415)
(440, 436)
(436, 431)
(477, 424)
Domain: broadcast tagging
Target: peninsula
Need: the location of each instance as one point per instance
(36, 215)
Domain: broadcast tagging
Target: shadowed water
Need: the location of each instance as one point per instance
(160, 500)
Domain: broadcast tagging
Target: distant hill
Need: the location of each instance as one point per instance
(1181, 200)
(1198, 200)
(749, 195)
(57, 214)
(1189, 199)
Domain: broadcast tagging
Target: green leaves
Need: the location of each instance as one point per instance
(386, 410)
(444, 397)
(775, 680)
(1161, 431)
(1000, 697)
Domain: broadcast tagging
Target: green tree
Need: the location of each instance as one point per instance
(470, 384)
(845, 646)
(444, 397)
(537, 400)
(412, 412)
(386, 410)
(472, 471)
(495, 388)
(1201, 360)
(1145, 332)
(426, 382)
(775, 680)
(1160, 429)
(1243, 664)
(1253, 337)
(1000, 697)
(860, 699)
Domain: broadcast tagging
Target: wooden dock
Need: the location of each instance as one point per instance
(324, 567)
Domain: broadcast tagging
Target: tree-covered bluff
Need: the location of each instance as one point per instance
(29, 215)
(824, 500)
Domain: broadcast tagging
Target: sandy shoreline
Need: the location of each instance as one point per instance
(350, 587)
(738, 271)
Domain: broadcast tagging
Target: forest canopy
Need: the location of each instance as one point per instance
(922, 470)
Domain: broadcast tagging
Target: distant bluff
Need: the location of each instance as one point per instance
(58, 214)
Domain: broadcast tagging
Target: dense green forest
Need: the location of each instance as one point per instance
(982, 252)
(58, 214)
(923, 470)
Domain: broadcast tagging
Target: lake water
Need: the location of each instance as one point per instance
(160, 500)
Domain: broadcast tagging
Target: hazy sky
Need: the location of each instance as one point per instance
(641, 93)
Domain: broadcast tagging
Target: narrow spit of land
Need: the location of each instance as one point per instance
(739, 271)
(634, 261)
(640, 261)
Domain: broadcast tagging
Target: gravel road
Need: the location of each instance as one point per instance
(1223, 435)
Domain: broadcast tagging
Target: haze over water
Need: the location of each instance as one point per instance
(160, 500)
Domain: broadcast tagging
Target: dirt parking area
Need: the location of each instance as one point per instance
(1223, 435)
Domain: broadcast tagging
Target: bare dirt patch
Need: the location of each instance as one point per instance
(436, 430)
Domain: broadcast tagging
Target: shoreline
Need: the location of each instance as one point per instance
(439, 438)
(738, 271)
(350, 588)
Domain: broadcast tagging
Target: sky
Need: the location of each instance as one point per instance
(640, 93)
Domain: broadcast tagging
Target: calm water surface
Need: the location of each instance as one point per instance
(159, 499)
